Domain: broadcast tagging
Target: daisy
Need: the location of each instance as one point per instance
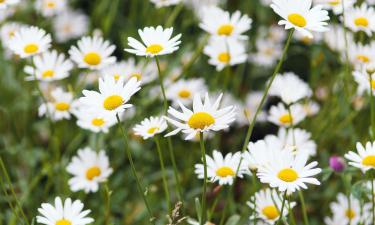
(8, 30)
(257, 153)
(89, 168)
(364, 159)
(164, 3)
(311, 108)
(252, 103)
(63, 213)
(184, 90)
(335, 5)
(306, 39)
(334, 39)
(157, 41)
(29, 41)
(49, 66)
(225, 52)
(204, 117)
(113, 96)
(50, 8)
(150, 127)
(290, 88)
(361, 18)
(93, 53)
(362, 78)
(301, 16)
(288, 171)
(218, 22)
(268, 52)
(361, 55)
(70, 25)
(279, 115)
(60, 106)
(268, 205)
(6, 3)
(94, 121)
(199, 6)
(222, 169)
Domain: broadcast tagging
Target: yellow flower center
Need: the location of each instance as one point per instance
(363, 58)
(93, 172)
(334, 2)
(361, 22)
(224, 57)
(1, 1)
(373, 84)
(285, 119)
(112, 102)
(154, 49)
(350, 213)
(369, 161)
(225, 29)
(270, 212)
(62, 106)
(50, 4)
(225, 171)
(31, 48)
(12, 32)
(287, 175)
(200, 120)
(136, 75)
(92, 58)
(48, 73)
(97, 122)
(297, 19)
(116, 77)
(152, 130)
(63, 222)
(184, 93)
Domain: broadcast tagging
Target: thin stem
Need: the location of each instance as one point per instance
(164, 174)
(304, 212)
(203, 150)
(255, 202)
(14, 210)
(282, 209)
(165, 101)
(372, 108)
(372, 200)
(134, 171)
(265, 93)
(107, 196)
(290, 213)
(172, 17)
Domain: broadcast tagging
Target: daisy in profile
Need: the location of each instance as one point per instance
(362, 55)
(93, 53)
(63, 213)
(156, 41)
(225, 52)
(70, 25)
(29, 41)
(222, 169)
(150, 127)
(49, 66)
(184, 90)
(113, 96)
(165, 3)
(218, 22)
(301, 16)
(280, 116)
(268, 51)
(204, 117)
(290, 88)
(364, 159)
(50, 8)
(362, 78)
(61, 105)
(7, 3)
(288, 171)
(335, 5)
(360, 18)
(268, 205)
(89, 169)
(94, 121)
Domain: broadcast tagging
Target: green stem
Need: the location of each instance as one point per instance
(372, 200)
(134, 171)
(372, 108)
(265, 93)
(107, 196)
(14, 210)
(255, 202)
(282, 209)
(290, 212)
(165, 101)
(203, 151)
(172, 17)
(165, 183)
(304, 212)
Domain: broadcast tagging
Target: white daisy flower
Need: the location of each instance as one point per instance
(335, 220)
(335, 38)
(94, 121)
(157, 41)
(225, 52)
(274, 33)
(364, 159)
(257, 153)
(361, 55)
(199, 6)
(61, 106)
(268, 205)
(362, 78)
(290, 88)
(195, 222)
(150, 127)
(301, 16)
(165, 3)
(49, 66)
(252, 103)
(7, 3)
(113, 96)
(50, 8)
(143, 71)
(288, 171)
(279, 115)
(8, 30)
(335, 5)
(93, 53)
(311, 108)
(267, 53)
(89, 168)
(361, 18)
(184, 90)
(222, 169)
(204, 117)
(29, 41)
(67, 213)
(70, 25)
(307, 39)
(218, 22)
